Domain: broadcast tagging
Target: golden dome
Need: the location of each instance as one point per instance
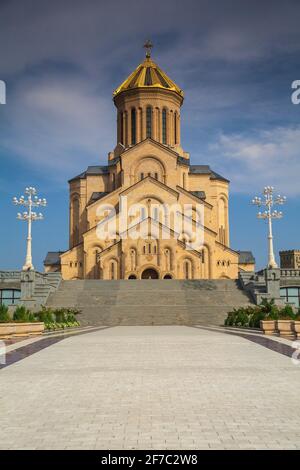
(148, 75)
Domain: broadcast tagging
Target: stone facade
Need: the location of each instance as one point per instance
(149, 167)
(290, 259)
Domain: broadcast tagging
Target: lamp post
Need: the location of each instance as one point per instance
(29, 216)
(269, 214)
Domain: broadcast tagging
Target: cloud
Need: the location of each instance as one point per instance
(59, 125)
(62, 59)
(265, 157)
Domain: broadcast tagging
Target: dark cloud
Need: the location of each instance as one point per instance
(62, 59)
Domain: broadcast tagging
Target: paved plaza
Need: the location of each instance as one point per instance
(151, 388)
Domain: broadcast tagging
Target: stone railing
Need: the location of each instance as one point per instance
(10, 276)
(290, 273)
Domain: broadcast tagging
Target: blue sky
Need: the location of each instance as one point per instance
(235, 61)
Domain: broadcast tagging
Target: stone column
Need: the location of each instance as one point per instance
(272, 278)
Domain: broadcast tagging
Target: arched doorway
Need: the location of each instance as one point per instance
(150, 274)
(167, 276)
(132, 276)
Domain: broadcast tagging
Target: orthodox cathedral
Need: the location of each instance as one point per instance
(149, 169)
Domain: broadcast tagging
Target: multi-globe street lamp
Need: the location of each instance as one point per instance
(269, 214)
(31, 201)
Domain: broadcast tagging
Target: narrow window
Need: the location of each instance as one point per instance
(133, 126)
(186, 268)
(175, 128)
(112, 267)
(164, 126)
(121, 128)
(142, 176)
(156, 176)
(149, 122)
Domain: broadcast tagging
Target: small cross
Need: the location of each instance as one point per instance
(148, 46)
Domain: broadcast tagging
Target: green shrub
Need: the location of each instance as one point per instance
(4, 315)
(22, 314)
(287, 313)
(240, 316)
(59, 318)
(257, 316)
(45, 315)
(269, 308)
(60, 315)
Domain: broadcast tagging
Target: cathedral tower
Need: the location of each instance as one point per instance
(149, 169)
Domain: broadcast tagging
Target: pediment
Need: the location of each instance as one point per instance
(147, 145)
(151, 186)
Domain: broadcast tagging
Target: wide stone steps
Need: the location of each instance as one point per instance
(150, 302)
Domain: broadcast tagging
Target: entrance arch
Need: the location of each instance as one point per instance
(132, 276)
(167, 276)
(150, 273)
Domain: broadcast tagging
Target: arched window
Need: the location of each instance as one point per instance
(149, 121)
(164, 126)
(113, 270)
(175, 128)
(133, 126)
(187, 269)
(75, 208)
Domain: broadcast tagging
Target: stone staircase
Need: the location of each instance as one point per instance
(150, 302)
(44, 285)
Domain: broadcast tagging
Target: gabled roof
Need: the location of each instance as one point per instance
(96, 196)
(246, 257)
(199, 194)
(91, 170)
(206, 170)
(53, 258)
(154, 142)
(152, 180)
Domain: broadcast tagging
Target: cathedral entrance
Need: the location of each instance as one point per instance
(150, 274)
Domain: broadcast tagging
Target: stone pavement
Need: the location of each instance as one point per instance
(160, 387)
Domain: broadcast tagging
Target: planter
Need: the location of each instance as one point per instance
(37, 328)
(7, 330)
(296, 328)
(285, 328)
(268, 327)
(25, 329)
